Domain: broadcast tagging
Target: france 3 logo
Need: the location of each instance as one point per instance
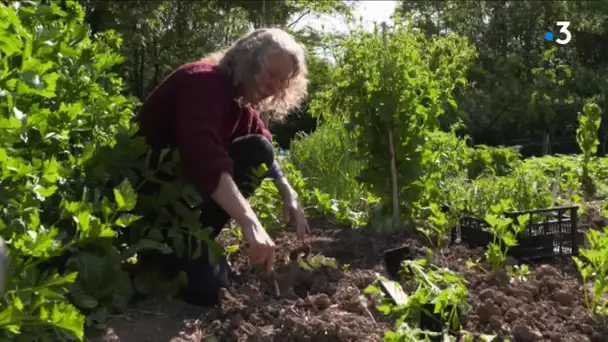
(565, 35)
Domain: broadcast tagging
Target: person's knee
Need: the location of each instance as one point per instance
(252, 151)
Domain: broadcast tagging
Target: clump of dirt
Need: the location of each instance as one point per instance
(320, 303)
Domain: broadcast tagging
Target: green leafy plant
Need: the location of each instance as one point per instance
(595, 267)
(266, 201)
(439, 225)
(504, 236)
(498, 161)
(520, 272)
(177, 227)
(400, 96)
(268, 204)
(408, 333)
(587, 139)
(312, 262)
(62, 111)
(434, 285)
(521, 190)
(325, 159)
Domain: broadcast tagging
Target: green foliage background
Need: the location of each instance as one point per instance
(470, 91)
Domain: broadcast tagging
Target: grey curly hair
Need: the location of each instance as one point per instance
(244, 61)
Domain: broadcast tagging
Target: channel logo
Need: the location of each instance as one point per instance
(565, 35)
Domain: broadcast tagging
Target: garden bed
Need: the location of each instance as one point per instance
(326, 304)
(546, 305)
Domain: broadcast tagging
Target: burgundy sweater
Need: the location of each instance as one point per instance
(194, 110)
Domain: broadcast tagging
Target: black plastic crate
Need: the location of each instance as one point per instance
(551, 233)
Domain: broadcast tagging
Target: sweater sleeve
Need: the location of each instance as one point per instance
(275, 171)
(202, 155)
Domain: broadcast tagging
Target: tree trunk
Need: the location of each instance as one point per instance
(142, 71)
(156, 77)
(96, 14)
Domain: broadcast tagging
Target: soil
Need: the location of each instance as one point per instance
(547, 305)
(327, 303)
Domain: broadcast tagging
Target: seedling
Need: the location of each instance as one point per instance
(440, 221)
(442, 289)
(505, 233)
(521, 272)
(312, 262)
(476, 264)
(232, 249)
(596, 266)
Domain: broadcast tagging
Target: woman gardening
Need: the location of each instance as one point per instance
(209, 112)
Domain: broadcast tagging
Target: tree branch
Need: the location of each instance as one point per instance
(305, 13)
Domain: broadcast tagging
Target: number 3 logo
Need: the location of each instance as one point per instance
(564, 29)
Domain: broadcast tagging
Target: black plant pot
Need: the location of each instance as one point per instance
(429, 321)
(393, 258)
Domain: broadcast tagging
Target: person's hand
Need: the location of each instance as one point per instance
(293, 212)
(261, 247)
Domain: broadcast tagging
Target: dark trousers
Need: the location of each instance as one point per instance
(204, 278)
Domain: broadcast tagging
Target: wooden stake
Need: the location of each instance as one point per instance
(391, 144)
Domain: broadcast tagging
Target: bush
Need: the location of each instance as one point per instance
(498, 161)
(395, 101)
(521, 190)
(61, 109)
(325, 159)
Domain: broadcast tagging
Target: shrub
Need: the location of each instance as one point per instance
(325, 159)
(498, 161)
(394, 102)
(61, 108)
